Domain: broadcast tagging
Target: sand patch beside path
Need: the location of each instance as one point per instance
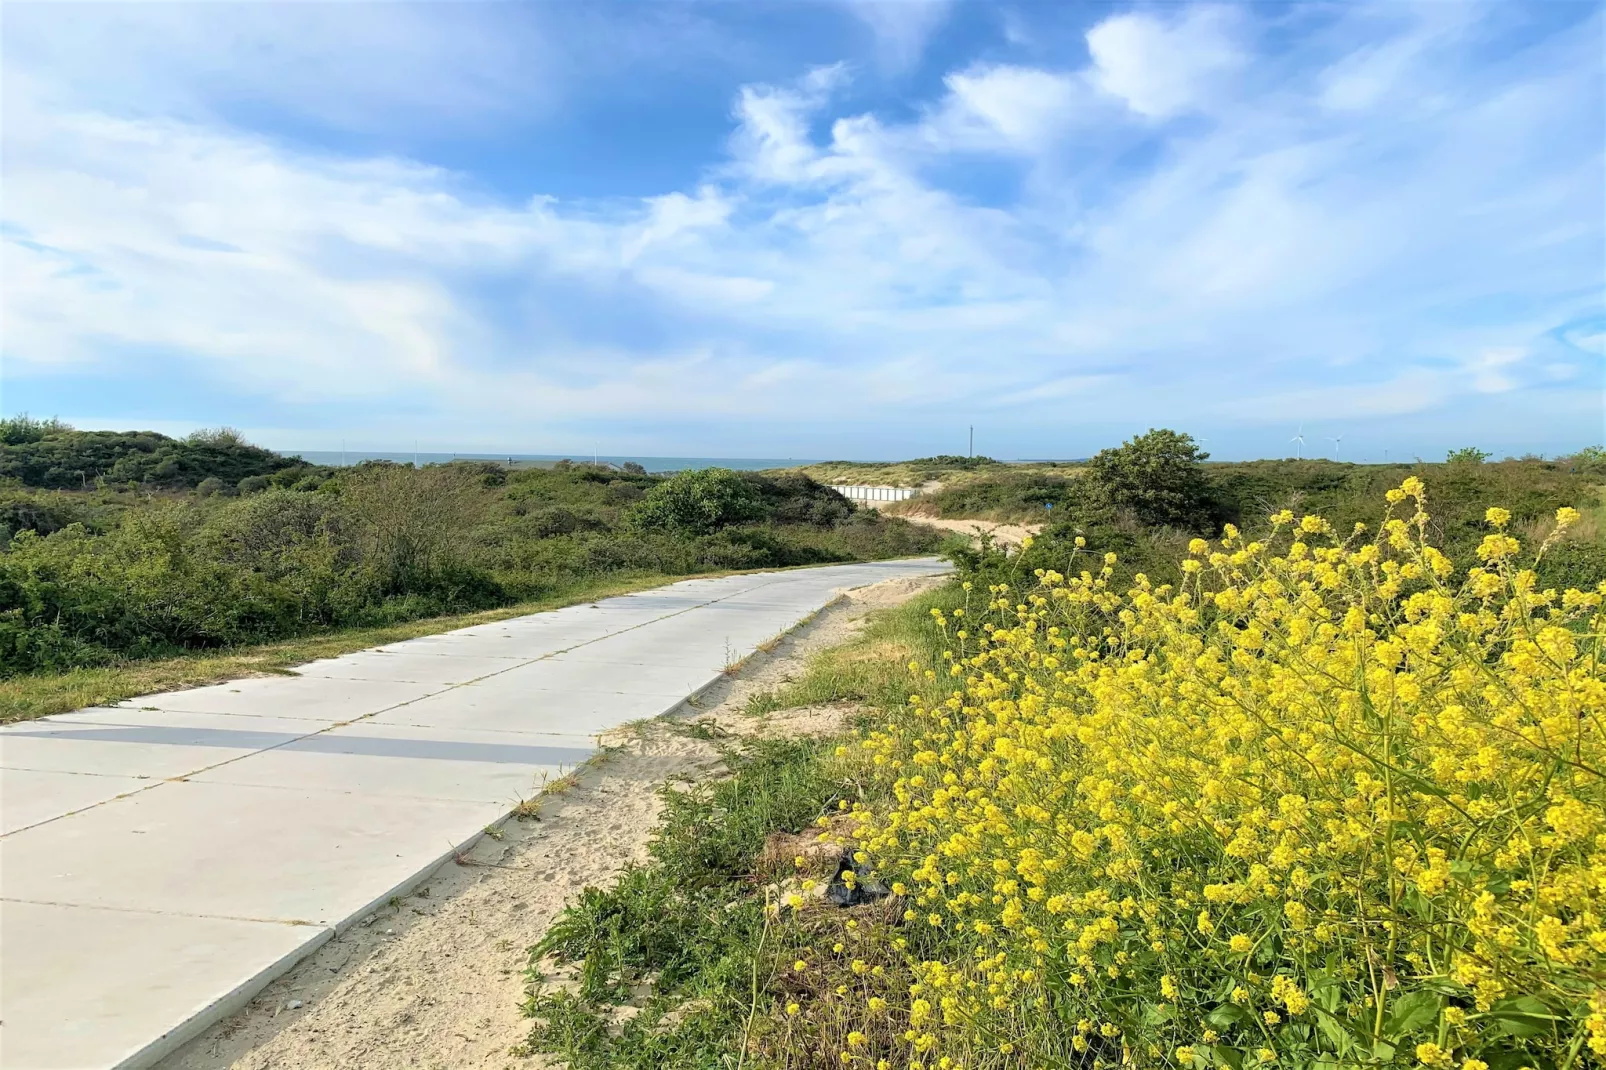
(435, 980)
(1005, 534)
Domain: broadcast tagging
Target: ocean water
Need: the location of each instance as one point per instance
(536, 460)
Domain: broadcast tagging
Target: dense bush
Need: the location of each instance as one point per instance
(51, 454)
(1327, 802)
(1003, 495)
(698, 502)
(1157, 477)
(92, 577)
(703, 501)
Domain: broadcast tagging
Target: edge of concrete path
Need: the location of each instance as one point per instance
(220, 1008)
(247, 990)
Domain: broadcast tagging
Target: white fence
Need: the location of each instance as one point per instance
(875, 494)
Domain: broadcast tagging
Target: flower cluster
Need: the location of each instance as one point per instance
(1325, 802)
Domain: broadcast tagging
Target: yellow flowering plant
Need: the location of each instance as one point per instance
(1325, 802)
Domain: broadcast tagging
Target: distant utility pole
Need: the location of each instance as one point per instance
(972, 440)
(342, 453)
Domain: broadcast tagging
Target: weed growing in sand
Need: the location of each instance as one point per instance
(687, 925)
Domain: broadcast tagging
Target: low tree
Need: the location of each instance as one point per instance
(1157, 477)
(1469, 455)
(698, 502)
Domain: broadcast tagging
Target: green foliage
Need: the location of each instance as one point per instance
(1591, 460)
(1467, 455)
(954, 462)
(1157, 477)
(698, 502)
(48, 453)
(1245, 493)
(17, 430)
(794, 498)
(94, 577)
(690, 920)
(1004, 495)
(703, 501)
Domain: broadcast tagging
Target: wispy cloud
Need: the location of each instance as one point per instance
(1188, 219)
(902, 28)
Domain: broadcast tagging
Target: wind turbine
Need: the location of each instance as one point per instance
(1336, 440)
(1299, 447)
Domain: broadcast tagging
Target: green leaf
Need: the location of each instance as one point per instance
(1158, 1013)
(1509, 1060)
(1325, 991)
(1228, 1056)
(1411, 1012)
(1521, 1016)
(1228, 1015)
(1336, 1032)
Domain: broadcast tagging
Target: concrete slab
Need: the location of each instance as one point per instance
(315, 698)
(484, 709)
(564, 672)
(520, 645)
(30, 797)
(142, 743)
(128, 979)
(234, 851)
(436, 672)
(411, 762)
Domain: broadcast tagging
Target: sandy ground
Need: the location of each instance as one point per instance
(1007, 534)
(435, 980)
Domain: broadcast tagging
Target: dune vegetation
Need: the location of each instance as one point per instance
(1315, 792)
(136, 570)
(947, 469)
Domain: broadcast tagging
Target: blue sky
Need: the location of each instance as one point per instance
(833, 229)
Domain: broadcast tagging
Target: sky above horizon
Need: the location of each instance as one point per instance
(830, 229)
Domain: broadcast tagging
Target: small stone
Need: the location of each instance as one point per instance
(293, 1005)
(390, 932)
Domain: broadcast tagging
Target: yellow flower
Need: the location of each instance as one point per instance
(1432, 1055)
(1119, 768)
(1497, 516)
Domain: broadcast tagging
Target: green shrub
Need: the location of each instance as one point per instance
(53, 455)
(95, 576)
(1156, 476)
(698, 502)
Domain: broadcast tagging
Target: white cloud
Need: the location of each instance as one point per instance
(902, 28)
(1163, 67)
(772, 140)
(348, 65)
(1005, 107)
(1280, 259)
(1491, 369)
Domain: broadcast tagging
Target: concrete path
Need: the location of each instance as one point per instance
(163, 860)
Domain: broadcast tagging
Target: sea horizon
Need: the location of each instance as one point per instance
(340, 458)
